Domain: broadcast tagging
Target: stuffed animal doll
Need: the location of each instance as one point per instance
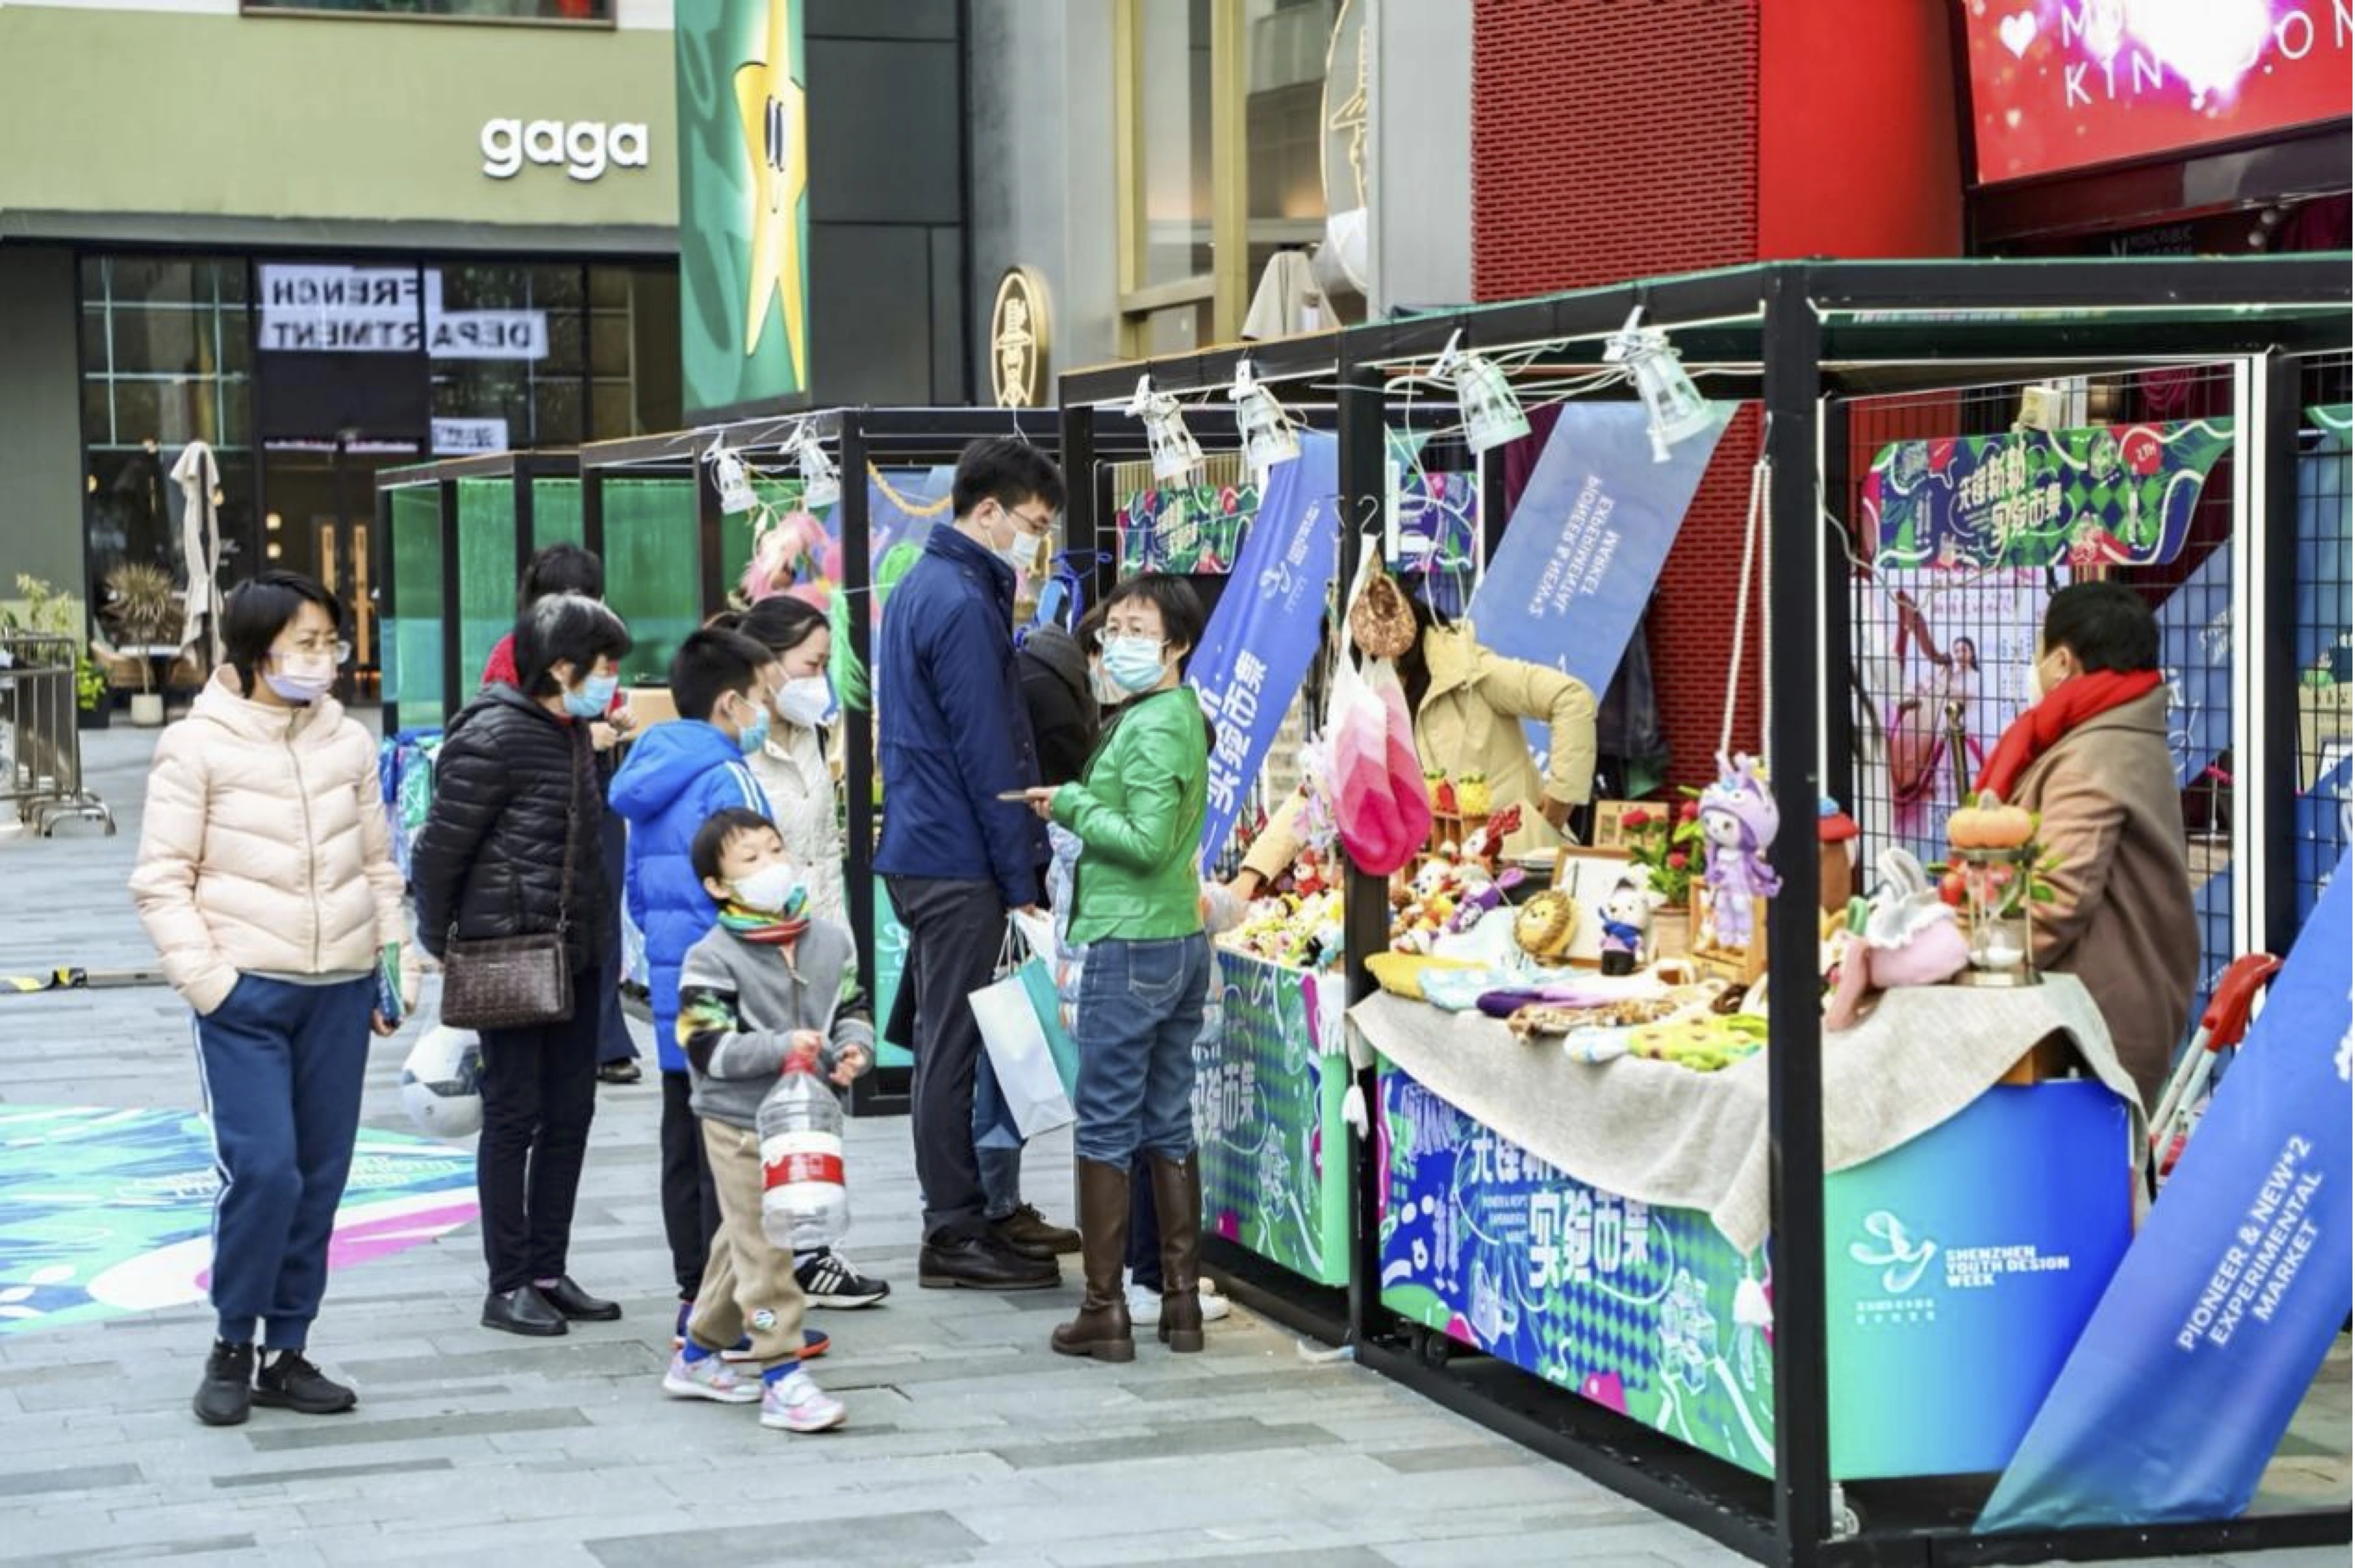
(1738, 820)
(1627, 927)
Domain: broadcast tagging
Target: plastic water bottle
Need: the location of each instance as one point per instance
(802, 1204)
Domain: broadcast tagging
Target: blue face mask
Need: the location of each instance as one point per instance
(1133, 664)
(592, 696)
(755, 735)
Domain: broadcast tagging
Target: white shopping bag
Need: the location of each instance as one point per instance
(1026, 1071)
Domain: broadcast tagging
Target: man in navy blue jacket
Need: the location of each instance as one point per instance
(956, 736)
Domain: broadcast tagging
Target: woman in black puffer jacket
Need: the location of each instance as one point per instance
(516, 797)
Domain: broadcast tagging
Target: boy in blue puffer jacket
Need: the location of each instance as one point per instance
(677, 777)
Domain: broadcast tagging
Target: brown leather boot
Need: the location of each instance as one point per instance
(1178, 1204)
(1101, 1328)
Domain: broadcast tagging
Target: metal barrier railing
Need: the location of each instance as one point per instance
(40, 747)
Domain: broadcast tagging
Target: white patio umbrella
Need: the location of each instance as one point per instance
(199, 475)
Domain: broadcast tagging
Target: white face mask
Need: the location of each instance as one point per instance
(1022, 555)
(769, 890)
(805, 700)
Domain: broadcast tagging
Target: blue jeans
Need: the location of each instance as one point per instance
(1140, 1010)
(282, 1066)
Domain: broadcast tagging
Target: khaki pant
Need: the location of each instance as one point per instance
(748, 1282)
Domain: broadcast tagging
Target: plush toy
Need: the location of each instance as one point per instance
(1738, 820)
(1488, 896)
(1909, 937)
(1627, 927)
(1546, 926)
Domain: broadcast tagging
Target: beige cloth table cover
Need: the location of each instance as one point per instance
(1699, 1140)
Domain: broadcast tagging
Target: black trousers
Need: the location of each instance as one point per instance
(690, 1205)
(539, 1094)
(954, 931)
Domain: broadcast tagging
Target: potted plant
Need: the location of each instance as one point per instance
(53, 613)
(1665, 839)
(139, 602)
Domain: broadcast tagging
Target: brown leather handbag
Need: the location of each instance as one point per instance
(514, 982)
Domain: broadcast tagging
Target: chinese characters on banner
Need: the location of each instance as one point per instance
(2101, 496)
(1257, 648)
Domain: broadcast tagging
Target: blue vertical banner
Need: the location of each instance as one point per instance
(2184, 1382)
(1256, 650)
(1585, 546)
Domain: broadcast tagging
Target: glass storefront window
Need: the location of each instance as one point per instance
(581, 13)
(1175, 119)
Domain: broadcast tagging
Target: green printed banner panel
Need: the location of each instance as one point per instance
(743, 202)
(1184, 527)
(1267, 1112)
(486, 571)
(654, 577)
(890, 963)
(1647, 1311)
(2113, 494)
(412, 633)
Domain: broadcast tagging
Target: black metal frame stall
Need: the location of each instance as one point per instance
(522, 468)
(1802, 337)
(856, 436)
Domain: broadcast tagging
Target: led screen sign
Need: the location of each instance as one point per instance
(2071, 84)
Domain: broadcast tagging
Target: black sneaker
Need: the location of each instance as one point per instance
(827, 1280)
(226, 1396)
(289, 1381)
(982, 1263)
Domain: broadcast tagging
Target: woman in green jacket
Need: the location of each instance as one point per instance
(1136, 903)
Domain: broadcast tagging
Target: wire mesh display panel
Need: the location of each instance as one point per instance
(2323, 627)
(1959, 531)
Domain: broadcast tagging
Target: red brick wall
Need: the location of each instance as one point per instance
(1620, 139)
(1611, 139)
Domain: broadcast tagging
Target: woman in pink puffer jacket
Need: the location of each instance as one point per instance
(267, 883)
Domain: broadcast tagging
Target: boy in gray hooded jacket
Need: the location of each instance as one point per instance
(766, 981)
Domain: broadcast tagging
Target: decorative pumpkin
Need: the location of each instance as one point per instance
(1990, 823)
(1545, 924)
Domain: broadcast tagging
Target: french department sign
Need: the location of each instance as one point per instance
(336, 309)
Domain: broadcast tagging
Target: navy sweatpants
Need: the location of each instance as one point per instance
(282, 1066)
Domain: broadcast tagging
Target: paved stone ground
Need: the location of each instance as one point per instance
(969, 1442)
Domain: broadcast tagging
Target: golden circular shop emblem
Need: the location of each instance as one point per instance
(1017, 340)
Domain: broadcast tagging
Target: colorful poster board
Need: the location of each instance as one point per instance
(1267, 1112)
(1956, 1283)
(107, 1211)
(2116, 494)
(1633, 1307)
(743, 203)
(1187, 528)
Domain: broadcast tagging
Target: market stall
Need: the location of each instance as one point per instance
(1823, 1251)
(1771, 1267)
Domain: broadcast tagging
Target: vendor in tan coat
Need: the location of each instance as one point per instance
(1468, 705)
(2092, 757)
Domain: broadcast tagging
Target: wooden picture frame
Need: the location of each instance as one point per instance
(1610, 816)
(1587, 876)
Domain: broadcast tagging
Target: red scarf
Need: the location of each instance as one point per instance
(2064, 708)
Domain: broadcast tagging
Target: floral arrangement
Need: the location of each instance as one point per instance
(1664, 841)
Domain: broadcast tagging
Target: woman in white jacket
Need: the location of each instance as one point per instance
(792, 767)
(267, 883)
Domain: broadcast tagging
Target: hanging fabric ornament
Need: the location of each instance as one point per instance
(1174, 449)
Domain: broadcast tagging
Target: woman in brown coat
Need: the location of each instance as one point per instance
(2092, 756)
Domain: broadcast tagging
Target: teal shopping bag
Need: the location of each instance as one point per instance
(1039, 984)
